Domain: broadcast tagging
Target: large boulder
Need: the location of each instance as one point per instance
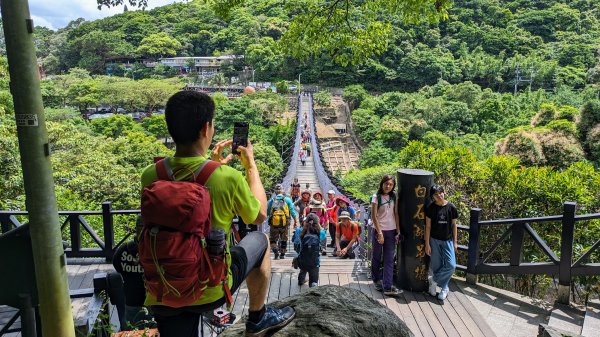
(334, 311)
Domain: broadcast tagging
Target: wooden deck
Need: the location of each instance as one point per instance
(424, 315)
(81, 276)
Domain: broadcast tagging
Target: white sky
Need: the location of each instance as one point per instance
(57, 14)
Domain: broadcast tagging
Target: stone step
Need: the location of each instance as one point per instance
(591, 321)
(566, 319)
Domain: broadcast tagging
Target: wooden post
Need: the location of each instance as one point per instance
(516, 244)
(413, 190)
(48, 253)
(474, 228)
(109, 232)
(27, 311)
(5, 223)
(566, 253)
(75, 233)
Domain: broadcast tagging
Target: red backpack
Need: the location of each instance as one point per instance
(172, 247)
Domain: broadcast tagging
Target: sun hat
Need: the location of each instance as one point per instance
(316, 204)
(331, 192)
(345, 215)
(342, 198)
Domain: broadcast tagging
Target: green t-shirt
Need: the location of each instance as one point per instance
(229, 195)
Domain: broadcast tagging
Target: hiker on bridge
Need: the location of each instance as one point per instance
(331, 209)
(386, 226)
(346, 236)
(295, 190)
(441, 240)
(302, 203)
(302, 156)
(190, 120)
(316, 207)
(308, 247)
(281, 211)
(343, 204)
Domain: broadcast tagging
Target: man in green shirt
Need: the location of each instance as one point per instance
(189, 116)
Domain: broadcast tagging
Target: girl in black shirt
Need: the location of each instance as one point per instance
(440, 240)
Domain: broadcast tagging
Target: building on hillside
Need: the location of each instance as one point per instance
(206, 66)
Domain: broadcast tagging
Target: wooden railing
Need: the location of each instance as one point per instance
(103, 247)
(561, 265)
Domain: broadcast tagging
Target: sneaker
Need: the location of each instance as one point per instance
(281, 256)
(443, 294)
(314, 284)
(272, 320)
(432, 286)
(276, 256)
(393, 291)
(378, 286)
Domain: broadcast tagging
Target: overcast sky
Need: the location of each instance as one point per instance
(57, 14)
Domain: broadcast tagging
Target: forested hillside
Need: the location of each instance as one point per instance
(101, 159)
(553, 43)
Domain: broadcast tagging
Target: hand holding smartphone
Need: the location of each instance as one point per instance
(240, 136)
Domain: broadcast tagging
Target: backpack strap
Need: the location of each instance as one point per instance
(205, 170)
(236, 233)
(163, 170)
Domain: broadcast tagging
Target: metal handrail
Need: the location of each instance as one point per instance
(562, 266)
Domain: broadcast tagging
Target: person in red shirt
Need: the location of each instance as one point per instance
(346, 235)
(295, 191)
(331, 209)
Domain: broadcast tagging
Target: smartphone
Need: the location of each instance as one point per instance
(240, 136)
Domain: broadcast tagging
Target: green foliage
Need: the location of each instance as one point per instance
(271, 106)
(568, 113)
(282, 87)
(593, 144)
(114, 126)
(393, 132)
(376, 154)
(437, 139)
(158, 45)
(322, 98)
(269, 163)
(355, 94)
(589, 118)
(498, 185)
(555, 145)
(386, 45)
(546, 114)
(363, 183)
(564, 126)
(561, 148)
(98, 47)
(367, 124)
(156, 126)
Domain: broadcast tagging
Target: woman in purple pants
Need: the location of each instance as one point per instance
(386, 227)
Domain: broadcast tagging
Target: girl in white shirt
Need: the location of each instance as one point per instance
(386, 227)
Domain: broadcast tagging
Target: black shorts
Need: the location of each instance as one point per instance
(245, 256)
